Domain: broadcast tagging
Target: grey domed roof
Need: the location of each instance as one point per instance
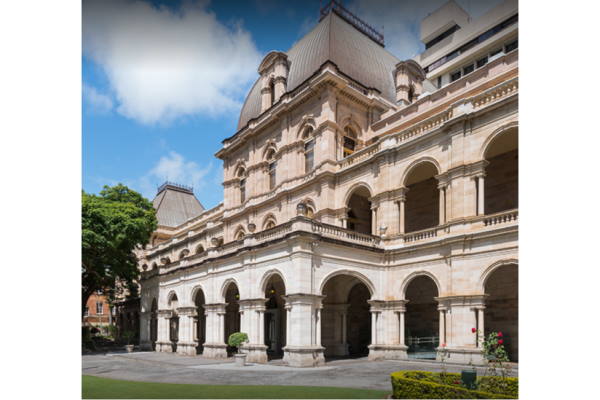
(336, 40)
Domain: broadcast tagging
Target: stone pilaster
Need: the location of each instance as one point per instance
(186, 344)
(253, 324)
(460, 318)
(163, 341)
(145, 318)
(303, 348)
(215, 347)
(387, 337)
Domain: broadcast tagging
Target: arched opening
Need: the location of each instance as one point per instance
(232, 313)
(411, 94)
(422, 319)
(502, 307)
(345, 317)
(200, 320)
(173, 322)
(199, 249)
(501, 187)
(359, 211)
(269, 224)
(240, 234)
(275, 317)
(153, 324)
(422, 199)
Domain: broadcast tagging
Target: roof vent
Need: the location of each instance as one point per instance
(175, 186)
(336, 7)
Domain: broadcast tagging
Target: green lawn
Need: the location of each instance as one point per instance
(103, 388)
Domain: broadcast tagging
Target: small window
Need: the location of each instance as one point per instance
(272, 90)
(309, 156)
(272, 174)
(439, 82)
(86, 312)
(482, 61)
(511, 46)
(497, 51)
(99, 307)
(468, 69)
(455, 76)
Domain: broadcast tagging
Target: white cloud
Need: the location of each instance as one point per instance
(96, 101)
(163, 64)
(175, 168)
(401, 20)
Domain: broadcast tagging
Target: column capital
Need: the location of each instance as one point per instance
(189, 311)
(215, 307)
(304, 298)
(472, 300)
(165, 313)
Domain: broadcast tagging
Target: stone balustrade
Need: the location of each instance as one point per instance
(501, 218)
(422, 234)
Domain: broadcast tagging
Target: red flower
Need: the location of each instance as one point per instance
(500, 341)
(457, 382)
(500, 334)
(473, 330)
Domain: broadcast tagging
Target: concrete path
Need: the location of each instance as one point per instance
(173, 368)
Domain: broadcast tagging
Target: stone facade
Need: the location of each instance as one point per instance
(352, 223)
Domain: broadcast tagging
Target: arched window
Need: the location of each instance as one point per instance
(411, 94)
(199, 249)
(270, 224)
(272, 169)
(240, 234)
(309, 149)
(310, 213)
(349, 141)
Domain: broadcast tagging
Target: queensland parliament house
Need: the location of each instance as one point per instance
(370, 204)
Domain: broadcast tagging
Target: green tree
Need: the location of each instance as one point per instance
(113, 224)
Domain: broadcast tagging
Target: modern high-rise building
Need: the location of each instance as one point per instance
(370, 203)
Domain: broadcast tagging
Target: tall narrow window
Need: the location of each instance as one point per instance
(349, 144)
(309, 156)
(272, 90)
(272, 174)
(99, 307)
(86, 312)
(242, 190)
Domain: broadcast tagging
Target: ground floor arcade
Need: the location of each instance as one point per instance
(345, 318)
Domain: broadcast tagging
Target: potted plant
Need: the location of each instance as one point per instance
(128, 336)
(236, 340)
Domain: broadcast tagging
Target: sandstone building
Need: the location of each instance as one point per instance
(370, 204)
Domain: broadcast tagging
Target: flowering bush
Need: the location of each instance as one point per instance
(495, 353)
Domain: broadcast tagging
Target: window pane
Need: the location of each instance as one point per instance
(98, 308)
(482, 61)
(455, 76)
(468, 69)
(308, 161)
(272, 174)
(511, 46)
(242, 190)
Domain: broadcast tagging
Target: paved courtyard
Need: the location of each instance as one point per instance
(173, 368)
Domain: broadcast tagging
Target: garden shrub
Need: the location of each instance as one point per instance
(429, 385)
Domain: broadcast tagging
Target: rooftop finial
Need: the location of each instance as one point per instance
(336, 7)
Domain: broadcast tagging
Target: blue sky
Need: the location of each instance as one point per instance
(163, 82)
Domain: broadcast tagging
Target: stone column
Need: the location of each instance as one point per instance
(401, 205)
(374, 220)
(303, 347)
(215, 347)
(460, 319)
(145, 343)
(387, 337)
(163, 342)
(253, 324)
(442, 205)
(401, 315)
(442, 325)
(480, 195)
(480, 326)
(186, 344)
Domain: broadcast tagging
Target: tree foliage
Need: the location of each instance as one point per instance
(113, 224)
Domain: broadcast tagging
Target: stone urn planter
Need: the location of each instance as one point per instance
(240, 359)
(129, 348)
(469, 377)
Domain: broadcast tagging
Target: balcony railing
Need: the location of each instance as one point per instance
(501, 217)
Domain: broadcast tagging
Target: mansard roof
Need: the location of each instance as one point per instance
(335, 40)
(175, 204)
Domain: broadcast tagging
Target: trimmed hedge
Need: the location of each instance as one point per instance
(433, 385)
